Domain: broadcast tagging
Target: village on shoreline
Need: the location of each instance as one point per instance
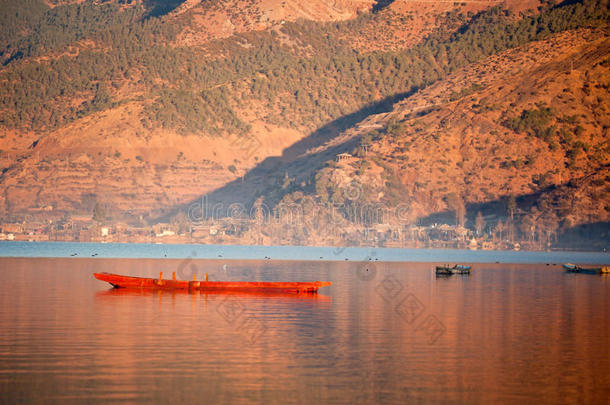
(249, 232)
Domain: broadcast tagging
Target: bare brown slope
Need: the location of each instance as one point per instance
(403, 23)
(220, 19)
(109, 157)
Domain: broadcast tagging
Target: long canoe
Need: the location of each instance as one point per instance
(118, 281)
(573, 268)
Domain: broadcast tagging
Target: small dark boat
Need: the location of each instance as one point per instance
(455, 269)
(118, 281)
(573, 268)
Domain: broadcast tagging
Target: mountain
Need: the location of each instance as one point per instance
(144, 107)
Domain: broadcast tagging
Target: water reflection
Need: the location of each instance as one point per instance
(394, 334)
(125, 292)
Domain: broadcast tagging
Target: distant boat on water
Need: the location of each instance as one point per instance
(573, 268)
(455, 269)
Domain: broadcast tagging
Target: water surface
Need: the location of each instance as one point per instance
(182, 251)
(384, 332)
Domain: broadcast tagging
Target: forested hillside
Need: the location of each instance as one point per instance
(79, 57)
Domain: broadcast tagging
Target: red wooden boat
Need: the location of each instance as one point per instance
(119, 281)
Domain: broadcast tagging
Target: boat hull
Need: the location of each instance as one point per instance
(457, 269)
(119, 281)
(572, 268)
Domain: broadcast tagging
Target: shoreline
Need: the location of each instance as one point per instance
(148, 243)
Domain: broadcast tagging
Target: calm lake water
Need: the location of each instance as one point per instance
(383, 333)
